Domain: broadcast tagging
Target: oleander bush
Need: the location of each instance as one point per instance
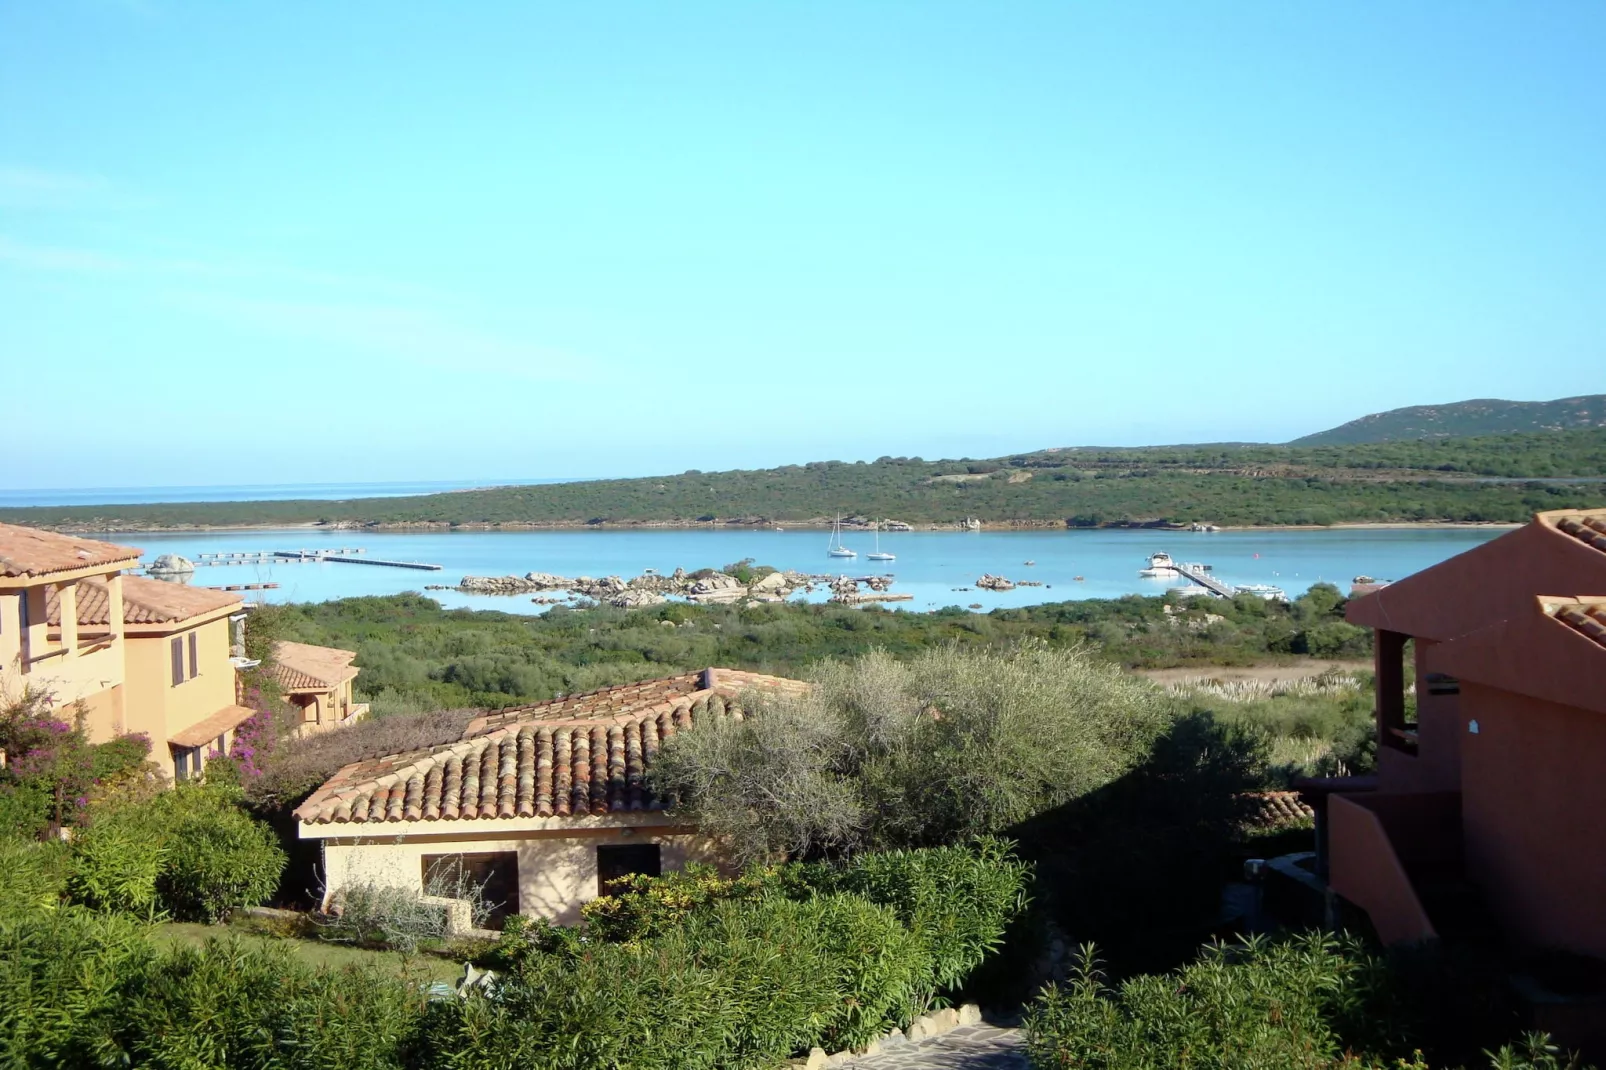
(771, 962)
(115, 867)
(744, 982)
(33, 876)
(192, 852)
(79, 989)
(1307, 1002)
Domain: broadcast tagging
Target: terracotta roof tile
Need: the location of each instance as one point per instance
(1273, 809)
(303, 667)
(1586, 527)
(578, 756)
(1586, 618)
(145, 601)
(26, 553)
(626, 700)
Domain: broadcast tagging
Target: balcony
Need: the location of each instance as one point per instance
(1386, 851)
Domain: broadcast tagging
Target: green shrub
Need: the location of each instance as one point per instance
(81, 990)
(211, 856)
(115, 866)
(1254, 1004)
(62, 986)
(771, 962)
(741, 983)
(33, 876)
(218, 859)
(230, 1004)
(957, 900)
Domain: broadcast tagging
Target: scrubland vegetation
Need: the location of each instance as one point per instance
(418, 657)
(1489, 478)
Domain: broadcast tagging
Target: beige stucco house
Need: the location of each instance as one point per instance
(73, 664)
(317, 681)
(179, 681)
(130, 654)
(545, 804)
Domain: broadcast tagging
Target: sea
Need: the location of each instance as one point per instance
(938, 568)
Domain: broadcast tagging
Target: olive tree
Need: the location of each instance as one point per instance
(886, 753)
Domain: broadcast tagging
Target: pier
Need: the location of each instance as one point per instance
(345, 557)
(1198, 575)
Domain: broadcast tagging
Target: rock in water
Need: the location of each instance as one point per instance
(171, 563)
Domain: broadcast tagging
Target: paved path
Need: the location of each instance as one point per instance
(970, 1047)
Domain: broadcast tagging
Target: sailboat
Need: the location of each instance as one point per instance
(878, 555)
(834, 547)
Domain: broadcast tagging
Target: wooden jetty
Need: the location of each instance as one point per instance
(248, 555)
(333, 558)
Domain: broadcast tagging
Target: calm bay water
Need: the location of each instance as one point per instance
(929, 565)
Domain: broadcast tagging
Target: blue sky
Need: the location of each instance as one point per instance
(275, 242)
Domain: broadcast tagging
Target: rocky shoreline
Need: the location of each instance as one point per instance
(703, 587)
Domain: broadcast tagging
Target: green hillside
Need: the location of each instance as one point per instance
(1483, 416)
(1493, 478)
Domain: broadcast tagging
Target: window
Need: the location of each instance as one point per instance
(614, 862)
(495, 873)
(184, 668)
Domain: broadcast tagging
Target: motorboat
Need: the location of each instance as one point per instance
(1160, 565)
(1263, 590)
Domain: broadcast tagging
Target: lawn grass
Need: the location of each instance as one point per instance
(420, 965)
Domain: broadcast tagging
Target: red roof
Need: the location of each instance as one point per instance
(145, 601)
(26, 553)
(1550, 651)
(1557, 551)
(578, 756)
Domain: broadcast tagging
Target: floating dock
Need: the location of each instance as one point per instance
(346, 558)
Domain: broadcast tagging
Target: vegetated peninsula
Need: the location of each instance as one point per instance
(1481, 416)
(1491, 479)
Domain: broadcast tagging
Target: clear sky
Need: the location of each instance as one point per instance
(275, 242)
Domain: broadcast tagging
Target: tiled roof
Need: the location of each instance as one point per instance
(145, 601)
(1271, 809)
(1588, 527)
(1588, 618)
(203, 732)
(585, 756)
(302, 667)
(626, 699)
(30, 552)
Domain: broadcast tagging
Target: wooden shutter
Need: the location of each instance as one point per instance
(195, 660)
(177, 649)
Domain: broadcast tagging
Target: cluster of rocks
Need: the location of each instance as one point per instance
(648, 589)
(989, 582)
